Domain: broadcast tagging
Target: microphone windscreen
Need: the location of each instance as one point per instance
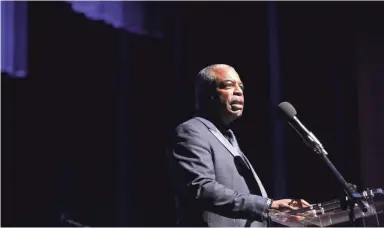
(287, 109)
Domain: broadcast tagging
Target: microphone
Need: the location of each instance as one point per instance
(308, 137)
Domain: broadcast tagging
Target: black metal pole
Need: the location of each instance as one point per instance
(352, 194)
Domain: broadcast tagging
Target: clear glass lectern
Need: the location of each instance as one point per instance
(332, 212)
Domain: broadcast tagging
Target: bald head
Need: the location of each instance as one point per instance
(217, 86)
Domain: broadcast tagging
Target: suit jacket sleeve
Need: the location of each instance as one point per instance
(196, 178)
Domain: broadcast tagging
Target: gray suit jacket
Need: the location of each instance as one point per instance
(212, 184)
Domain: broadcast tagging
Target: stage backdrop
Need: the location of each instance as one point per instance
(370, 60)
(14, 38)
(136, 17)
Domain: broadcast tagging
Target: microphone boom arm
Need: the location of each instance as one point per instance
(351, 192)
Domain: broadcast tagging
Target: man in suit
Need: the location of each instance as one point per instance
(213, 181)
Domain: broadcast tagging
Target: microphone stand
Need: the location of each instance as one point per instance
(352, 196)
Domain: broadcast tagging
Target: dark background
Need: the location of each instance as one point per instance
(85, 133)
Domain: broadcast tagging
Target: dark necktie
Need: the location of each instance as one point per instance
(232, 139)
(254, 185)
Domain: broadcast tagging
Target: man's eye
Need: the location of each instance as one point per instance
(228, 85)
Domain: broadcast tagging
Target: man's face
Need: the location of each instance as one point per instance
(229, 91)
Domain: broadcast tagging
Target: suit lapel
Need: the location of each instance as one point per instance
(225, 142)
(219, 136)
(262, 190)
(232, 150)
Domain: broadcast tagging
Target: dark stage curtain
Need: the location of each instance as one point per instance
(14, 36)
(81, 123)
(137, 17)
(319, 79)
(322, 78)
(369, 50)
